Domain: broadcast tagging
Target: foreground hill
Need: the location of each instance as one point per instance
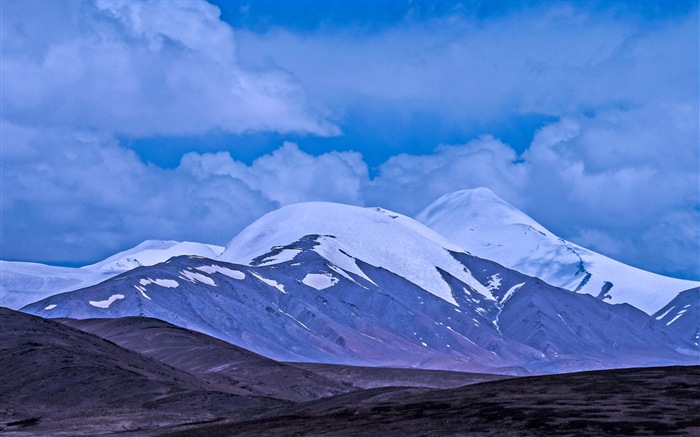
(54, 377)
(60, 381)
(222, 365)
(488, 227)
(22, 283)
(651, 401)
(332, 283)
(57, 380)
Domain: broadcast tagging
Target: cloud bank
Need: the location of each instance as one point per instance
(615, 168)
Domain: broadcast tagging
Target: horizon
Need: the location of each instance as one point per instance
(119, 126)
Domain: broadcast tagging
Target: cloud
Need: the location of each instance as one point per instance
(614, 165)
(555, 58)
(407, 183)
(626, 183)
(141, 69)
(288, 175)
(80, 197)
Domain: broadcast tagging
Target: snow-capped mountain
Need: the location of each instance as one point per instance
(152, 252)
(340, 284)
(374, 235)
(480, 222)
(22, 282)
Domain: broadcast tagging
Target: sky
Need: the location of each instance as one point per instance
(123, 121)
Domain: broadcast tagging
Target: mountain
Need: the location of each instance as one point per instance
(631, 402)
(55, 377)
(152, 252)
(682, 314)
(222, 365)
(23, 282)
(332, 283)
(159, 379)
(376, 236)
(480, 222)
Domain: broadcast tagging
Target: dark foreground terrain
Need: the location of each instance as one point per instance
(652, 401)
(139, 376)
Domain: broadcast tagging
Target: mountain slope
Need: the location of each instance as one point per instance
(376, 236)
(225, 366)
(22, 283)
(488, 227)
(682, 314)
(53, 376)
(319, 299)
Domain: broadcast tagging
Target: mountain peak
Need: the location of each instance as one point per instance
(489, 227)
(152, 252)
(376, 236)
(478, 207)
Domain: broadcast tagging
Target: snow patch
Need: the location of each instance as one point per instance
(106, 303)
(293, 318)
(510, 292)
(50, 307)
(270, 282)
(195, 277)
(284, 256)
(167, 283)
(142, 291)
(665, 313)
(477, 286)
(680, 313)
(494, 282)
(235, 274)
(319, 281)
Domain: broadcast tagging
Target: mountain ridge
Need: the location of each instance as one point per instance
(480, 222)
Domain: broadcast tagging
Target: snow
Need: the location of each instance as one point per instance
(680, 313)
(152, 252)
(376, 236)
(22, 283)
(167, 283)
(293, 318)
(665, 313)
(142, 291)
(231, 273)
(106, 303)
(488, 227)
(284, 256)
(195, 277)
(270, 282)
(511, 290)
(50, 307)
(494, 282)
(319, 281)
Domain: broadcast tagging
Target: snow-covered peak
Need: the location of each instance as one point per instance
(488, 227)
(475, 207)
(376, 236)
(22, 282)
(152, 252)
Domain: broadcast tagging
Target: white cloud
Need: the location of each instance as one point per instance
(407, 183)
(289, 175)
(81, 197)
(554, 59)
(141, 68)
(624, 182)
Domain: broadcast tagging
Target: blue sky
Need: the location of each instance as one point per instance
(128, 120)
